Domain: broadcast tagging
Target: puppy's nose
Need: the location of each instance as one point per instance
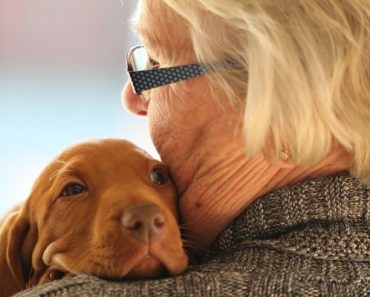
(145, 222)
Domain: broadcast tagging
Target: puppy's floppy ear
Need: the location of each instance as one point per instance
(17, 240)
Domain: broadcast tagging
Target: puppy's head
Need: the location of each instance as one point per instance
(104, 208)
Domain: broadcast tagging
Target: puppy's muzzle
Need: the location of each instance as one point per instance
(144, 222)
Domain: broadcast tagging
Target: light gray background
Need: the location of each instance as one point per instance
(61, 73)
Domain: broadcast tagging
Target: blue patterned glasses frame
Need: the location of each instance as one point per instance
(145, 73)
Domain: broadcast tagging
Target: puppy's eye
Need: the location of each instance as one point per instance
(159, 176)
(55, 275)
(73, 189)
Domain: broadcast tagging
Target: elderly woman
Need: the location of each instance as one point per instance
(261, 109)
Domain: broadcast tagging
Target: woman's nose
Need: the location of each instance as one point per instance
(133, 102)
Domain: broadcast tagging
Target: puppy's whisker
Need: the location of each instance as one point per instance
(30, 278)
(184, 223)
(183, 228)
(192, 251)
(189, 241)
(189, 237)
(191, 247)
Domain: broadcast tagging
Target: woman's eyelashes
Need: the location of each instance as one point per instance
(153, 63)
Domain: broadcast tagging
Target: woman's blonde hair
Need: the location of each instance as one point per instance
(307, 71)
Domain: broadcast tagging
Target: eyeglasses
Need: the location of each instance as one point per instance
(145, 73)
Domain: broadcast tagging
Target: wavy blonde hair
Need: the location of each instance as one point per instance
(307, 71)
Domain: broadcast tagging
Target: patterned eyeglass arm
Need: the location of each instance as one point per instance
(150, 79)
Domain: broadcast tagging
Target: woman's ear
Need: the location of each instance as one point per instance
(17, 242)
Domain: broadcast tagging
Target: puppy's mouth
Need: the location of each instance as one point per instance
(153, 261)
(147, 267)
(147, 262)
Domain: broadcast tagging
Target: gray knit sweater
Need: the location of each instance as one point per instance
(310, 239)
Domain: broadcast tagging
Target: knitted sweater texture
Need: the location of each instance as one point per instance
(309, 239)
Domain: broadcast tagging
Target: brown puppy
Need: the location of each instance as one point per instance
(104, 208)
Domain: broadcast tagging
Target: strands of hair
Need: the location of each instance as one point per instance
(306, 78)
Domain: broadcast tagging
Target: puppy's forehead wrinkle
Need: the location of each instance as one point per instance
(60, 170)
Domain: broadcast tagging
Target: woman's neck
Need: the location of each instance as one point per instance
(217, 183)
(214, 178)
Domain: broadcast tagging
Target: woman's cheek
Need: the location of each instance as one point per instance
(161, 116)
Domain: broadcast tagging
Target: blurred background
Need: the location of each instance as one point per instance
(61, 73)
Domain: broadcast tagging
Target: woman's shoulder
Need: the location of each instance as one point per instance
(326, 201)
(313, 236)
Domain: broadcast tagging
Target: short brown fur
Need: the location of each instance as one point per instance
(83, 234)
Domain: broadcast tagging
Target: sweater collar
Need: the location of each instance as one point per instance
(315, 205)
